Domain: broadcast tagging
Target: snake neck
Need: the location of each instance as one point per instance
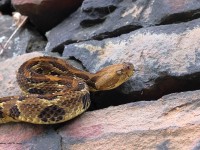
(87, 77)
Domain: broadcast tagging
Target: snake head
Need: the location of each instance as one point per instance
(112, 76)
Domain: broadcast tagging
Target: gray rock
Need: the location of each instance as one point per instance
(22, 42)
(5, 6)
(93, 21)
(111, 18)
(167, 12)
(166, 58)
(48, 139)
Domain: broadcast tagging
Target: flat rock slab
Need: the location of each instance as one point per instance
(172, 122)
(166, 58)
(110, 18)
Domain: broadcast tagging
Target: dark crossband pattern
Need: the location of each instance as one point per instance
(14, 112)
(52, 113)
(54, 91)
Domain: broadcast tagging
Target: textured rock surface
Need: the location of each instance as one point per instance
(22, 41)
(22, 136)
(166, 58)
(46, 13)
(8, 69)
(172, 122)
(5, 6)
(110, 18)
(8, 83)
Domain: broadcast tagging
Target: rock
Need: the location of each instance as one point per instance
(45, 14)
(94, 20)
(9, 67)
(110, 18)
(17, 136)
(172, 122)
(166, 59)
(5, 6)
(8, 83)
(21, 43)
(169, 11)
(23, 135)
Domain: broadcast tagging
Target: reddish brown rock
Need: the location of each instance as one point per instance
(24, 136)
(27, 131)
(20, 136)
(172, 122)
(46, 13)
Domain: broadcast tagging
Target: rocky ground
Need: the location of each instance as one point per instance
(158, 108)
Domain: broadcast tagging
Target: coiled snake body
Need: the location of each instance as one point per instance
(54, 91)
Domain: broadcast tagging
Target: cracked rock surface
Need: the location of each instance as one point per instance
(166, 58)
(110, 18)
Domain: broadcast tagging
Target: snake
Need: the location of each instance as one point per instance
(53, 91)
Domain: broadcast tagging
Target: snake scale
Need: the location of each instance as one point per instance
(54, 91)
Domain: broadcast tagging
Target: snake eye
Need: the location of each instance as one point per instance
(119, 72)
